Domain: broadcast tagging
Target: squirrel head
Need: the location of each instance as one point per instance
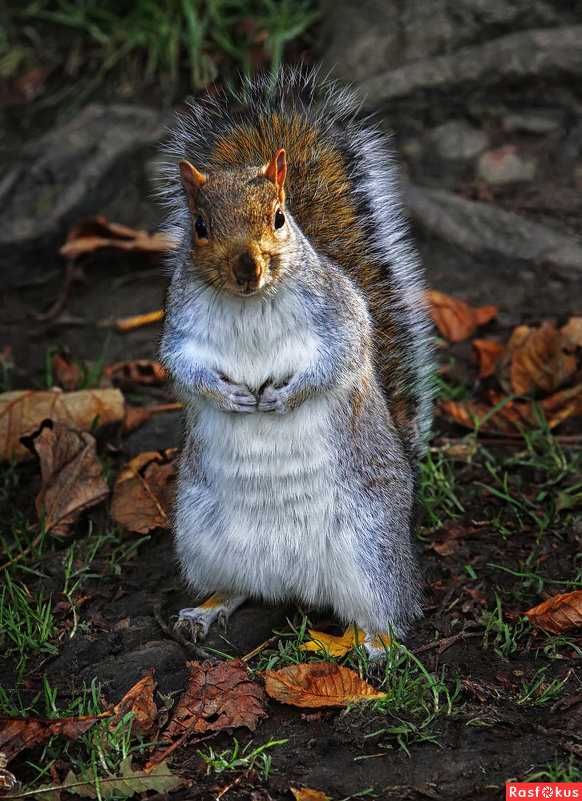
(241, 235)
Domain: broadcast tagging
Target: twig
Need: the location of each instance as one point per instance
(58, 305)
(271, 641)
(446, 642)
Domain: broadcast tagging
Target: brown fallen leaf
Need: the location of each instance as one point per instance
(315, 684)
(93, 233)
(23, 409)
(126, 375)
(216, 698)
(66, 371)
(17, 734)
(306, 794)
(144, 490)
(456, 320)
(559, 613)
(485, 353)
(72, 475)
(538, 360)
(572, 333)
(139, 700)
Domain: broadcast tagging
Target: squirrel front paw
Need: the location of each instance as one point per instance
(232, 397)
(277, 398)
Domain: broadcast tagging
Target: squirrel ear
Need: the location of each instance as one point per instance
(276, 171)
(192, 180)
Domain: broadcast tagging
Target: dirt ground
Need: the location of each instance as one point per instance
(500, 531)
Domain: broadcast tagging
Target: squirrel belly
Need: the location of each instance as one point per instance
(314, 504)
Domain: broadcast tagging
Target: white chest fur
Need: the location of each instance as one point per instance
(265, 519)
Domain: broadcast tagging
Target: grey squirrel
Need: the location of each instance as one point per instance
(297, 337)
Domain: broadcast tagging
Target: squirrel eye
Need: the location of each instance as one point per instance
(200, 228)
(279, 219)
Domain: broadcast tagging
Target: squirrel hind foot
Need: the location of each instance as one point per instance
(197, 620)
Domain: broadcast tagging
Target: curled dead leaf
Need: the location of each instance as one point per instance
(21, 410)
(572, 333)
(72, 475)
(17, 734)
(126, 375)
(93, 233)
(559, 613)
(139, 700)
(306, 794)
(485, 353)
(456, 320)
(143, 492)
(538, 360)
(316, 684)
(216, 698)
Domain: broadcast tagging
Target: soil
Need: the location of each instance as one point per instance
(490, 736)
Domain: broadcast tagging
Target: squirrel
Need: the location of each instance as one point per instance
(297, 336)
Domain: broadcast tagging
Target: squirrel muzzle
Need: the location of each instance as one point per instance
(247, 271)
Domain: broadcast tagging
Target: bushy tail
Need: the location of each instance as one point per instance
(341, 189)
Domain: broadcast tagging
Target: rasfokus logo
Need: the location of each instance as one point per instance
(544, 790)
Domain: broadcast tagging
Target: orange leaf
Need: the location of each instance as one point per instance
(559, 613)
(139, 700)
(538, 360)
(305, 794)
(456, 320)
(485, 353)
(328, 643)
(23, 409)
(572, 333)
(95, 232)
(129, 323)
(315, 684)
(72, 475)
(126, 375)
(143, 492)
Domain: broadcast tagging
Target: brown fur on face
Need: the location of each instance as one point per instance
(242, 253)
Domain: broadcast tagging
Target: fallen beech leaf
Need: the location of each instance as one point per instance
(139, 700)
(538, 360)
(143, 492)
(330, 644)
(126, 375)
(128, 783)
(486, 353)
(216, 698)
(559, 613)
(315, 684)
(305, 794)
(563, 405)
(72, 475)
(24, 409)
(129, 323)
(93, 233)
(572, 333)
(456, 320)
(17, 734)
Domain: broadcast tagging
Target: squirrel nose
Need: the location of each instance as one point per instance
(246, 268)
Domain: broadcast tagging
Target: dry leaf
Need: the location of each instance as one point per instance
(329, 644)
(72, 475)
(16, 734)
(559, 613)
(126, 375)
(143, 492)
(305, 794)
(572, 333)
(139, 700)
(315, 684)
(128, 783)
(23, 409)
(96, 232)
(216, 698)
(66, 372)
(456, 320)
(129, 323)
(538, 360)
(486, 353)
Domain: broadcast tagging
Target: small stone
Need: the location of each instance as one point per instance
(505, 165)
(456, 140)
(538, 121)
